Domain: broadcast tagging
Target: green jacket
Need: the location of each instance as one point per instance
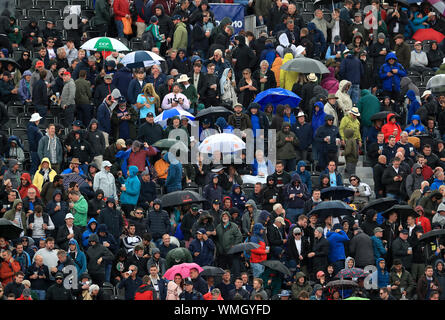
(368, 105)
(190, 93)
(80, 211)
(286, 149)
(180, 36)
(83, 91)
(354, 124)
(441, 69)
(102, 13)
(297, 288)
(351, 150)
(10, 214)
(227, 237)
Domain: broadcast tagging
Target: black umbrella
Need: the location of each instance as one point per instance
(9, 60)
(276, 265)
(213, 112)
(382, 115)
(379, 205)
(402, 210)
(245, 246)
(183, 197)
(335, 208)
(9, 229)
(432, 234)
(210, 271)
(336, 193)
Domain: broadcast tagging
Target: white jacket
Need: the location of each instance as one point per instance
(105, 181)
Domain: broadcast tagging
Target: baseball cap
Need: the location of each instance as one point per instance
(425, 93)
(176, 17)
(122, 100)
(121, 142)
(297, 231)
(201, 231)
(149, 115)
(72, 241)
(108, 76)
(280, 220)
(59, 275)
(69, 216)
(77, 123)
(378, 229)
(67, 73)
(284, 293)
(195, 207)
(40, 64)
(417, 42)
(404, 231)
(188, 280)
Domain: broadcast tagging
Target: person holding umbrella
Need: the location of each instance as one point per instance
(336, 238)
(260, 254)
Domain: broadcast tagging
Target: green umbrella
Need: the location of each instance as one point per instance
(168, 143)
(104, 44)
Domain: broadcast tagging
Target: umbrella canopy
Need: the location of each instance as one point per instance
(141, 59)
(276, 96)
(5, 61)
(432, 234)
(170, 113)
(213, 112)
(223, 142)
(104, 44)
(379, 205)
(382, 115)
(336, 193)
(72, 177)
(333, 208)
(341, 283)
(183, 269)
(177, 198)
(428, 34)
(9, 229)
(243, 247)
(210, 271)
(276, 265)
(436, 83)
(305, 65)
(402, 210)
(168, 143)
(351, 273)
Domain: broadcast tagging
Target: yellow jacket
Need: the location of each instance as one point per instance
(288, 78)
(38, 176)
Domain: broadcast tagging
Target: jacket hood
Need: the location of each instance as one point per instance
(346, 262)
(44, 160)
(288, 56)
(236, 185)
(56, 192)
(437, 262)
(77, 245)
(364, 93)
(170, 158)
(252, 203)
(92, 220)
(300, 164)
(295, 178)
(415, 117)
(411, 95)
(349, 133)
(105, 163)
(91, 122)
(263, 216)
(16, 140)
(221, 122)
(102, 228)
(311, 26)
(416, 166)
(93, 237)
(299, 275)
(342, 84)
(391, 55)
(257, 229)
(389, 116)
(133, 171)
(377, 263)
(205, 215)
(15, 203)
(284, 125)
(320, 105)
(26, 176)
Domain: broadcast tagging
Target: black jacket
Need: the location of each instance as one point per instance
(62, 234)
(150, 133)
(58, 292)
(388, 179)
(321, 250)
(158, 223)
(293, 253)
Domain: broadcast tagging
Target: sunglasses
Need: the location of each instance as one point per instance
(353, 180)
(26, 55)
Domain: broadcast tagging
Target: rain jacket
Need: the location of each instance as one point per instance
(388, 128)
(87, 232)
(105, 181)
(206, 251)
(23, 191)
(391, 83)
(318, 118)
(336, 246)
(287, 78)
(418, 127)
(344, 100)
(329, 81)
(413, 105)
(174, 175)
(292, 188)
(368, 105)
(382, 275)
(39, 175)
(80, 212)
(349, 123)
(286, 149)
(258, 255)
(79, 258)
(304, 176)
(238, 199)
(10, 214)
(133, 187)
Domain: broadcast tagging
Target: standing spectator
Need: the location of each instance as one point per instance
(97, 256)
(427, 283)
(390, 73)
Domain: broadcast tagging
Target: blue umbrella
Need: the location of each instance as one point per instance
(141, 59)
(170, 113)
(276, 96)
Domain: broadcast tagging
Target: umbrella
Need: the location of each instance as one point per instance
(382, 115)
(9, 60)
(213, 112)
(428, 34)
(243, 247)
(104, 44)
(336, 193)
(436, 83)
(183, 269)
(169, 143)
(277, 96)
(9, 229)
(141, 59)
(402, 210)
(305, 65)
(379, 205)
(341, 283)
(210, 271)
(72, 177)
(357, 298)
(223, 142)
(432, 234)
(276, 265)
(333, 208)
(170, 113)
(351, 273)
(177, 198)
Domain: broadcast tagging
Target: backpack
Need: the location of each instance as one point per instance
(148, 41)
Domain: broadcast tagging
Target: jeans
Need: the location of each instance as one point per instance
(394, 196)
(108, 272)
(68, 114)
(354, 92)
(257, 269)
(41, 294)
(120, 28)
(293, 213)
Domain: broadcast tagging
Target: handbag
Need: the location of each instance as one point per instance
(128, 30)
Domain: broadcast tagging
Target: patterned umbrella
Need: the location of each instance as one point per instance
(223, 142)
(351, 273)
(104, 44)
(183, 269)
(141, 59)
(70, 177)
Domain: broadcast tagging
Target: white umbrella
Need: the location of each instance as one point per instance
(170, 113)
(104, 44)
(141, 59)
(223, 142)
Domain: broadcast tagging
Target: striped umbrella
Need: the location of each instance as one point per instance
(104, 44)
(223, 142)
(167, 114)
(141, 59)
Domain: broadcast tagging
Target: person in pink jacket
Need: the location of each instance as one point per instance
(329, 82)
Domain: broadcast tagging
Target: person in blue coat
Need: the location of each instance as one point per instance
(78, 257)
(239, 199)
(91, 228)
(318, 40)
(34, 135)
(377, 244)
(303, 131)
(130, 192)
(305, 176)
(336, 239)
(135, 88)
(413, 105)
(391, 72)
(318, 117)
(351, 69)
(202, 248)
(121, 79)
(382, 274)
(416, 126)
(174, 175)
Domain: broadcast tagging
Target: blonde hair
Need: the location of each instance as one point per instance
(149, 91)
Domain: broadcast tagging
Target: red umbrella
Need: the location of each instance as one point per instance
(428, 34)
(183, 269)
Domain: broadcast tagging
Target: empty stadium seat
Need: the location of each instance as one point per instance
(52, 14)
(43, 4)
(60, 4)
(24, 4)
